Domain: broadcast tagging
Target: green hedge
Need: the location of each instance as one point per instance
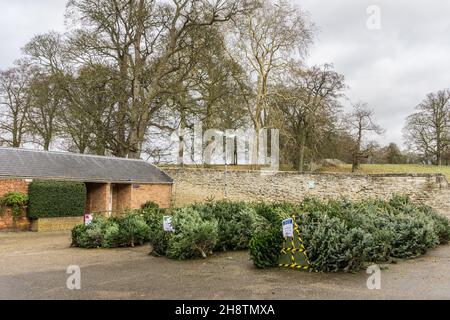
(52, 199)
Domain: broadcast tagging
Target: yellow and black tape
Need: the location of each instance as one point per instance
(293, 250)
(294, 266)
(297, 228)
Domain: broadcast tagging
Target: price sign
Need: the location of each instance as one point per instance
(167, 224)
(288, 228)
(88, 218)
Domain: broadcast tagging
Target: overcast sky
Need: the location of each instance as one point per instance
(391, 68)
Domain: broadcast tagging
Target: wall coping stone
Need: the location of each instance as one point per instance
(324, 174)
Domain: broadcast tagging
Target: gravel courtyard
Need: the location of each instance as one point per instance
(33, 266)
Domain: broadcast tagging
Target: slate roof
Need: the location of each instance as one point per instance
(34, 164)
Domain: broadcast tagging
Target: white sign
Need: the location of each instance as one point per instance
(88, 218)
(311, 184)
(288, 228)
(167, 223)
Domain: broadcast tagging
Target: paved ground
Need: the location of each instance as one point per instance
(33, 266)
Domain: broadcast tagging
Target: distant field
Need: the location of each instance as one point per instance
(392, 168)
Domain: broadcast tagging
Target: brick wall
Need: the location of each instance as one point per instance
(158, 193)
(121, 197)
(193, 185)
(98, 199)
(125, 196)
(7, 222)
(7, 186)
(98, 196)
(6, 218)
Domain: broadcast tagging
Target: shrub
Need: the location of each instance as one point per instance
(151, 213)
(49, 199)
(265, 247)
(400, 228)
(367, 217)
(90, 236)
(412, 229)
(442, 224)
(339, 235)
(159, 239)
(413, 236)
(16, 201)
(132, 230)
(111, 235)
(237, 222)
(125, 231)
(77, 233)
(150, 205)
(332, 245)
(193, 237)
(345, 235)
(13, 199)
(275, 212)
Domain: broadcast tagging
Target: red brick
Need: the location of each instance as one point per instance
(6, 218)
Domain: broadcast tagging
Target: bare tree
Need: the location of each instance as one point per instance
(359, 123)
(202, 90)
(428, 130)
(14, 103)
(48, 51)
(265, 42)
(89, 112)
(144, 40)
(46, 100)
(308, 105)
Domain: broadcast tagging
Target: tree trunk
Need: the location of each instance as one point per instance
(181, 141)
(47, 144)
(137, 107)
(255, 149)
(357, 151)
(301, 162)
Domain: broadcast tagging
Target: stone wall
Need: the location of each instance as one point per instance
(196, 185)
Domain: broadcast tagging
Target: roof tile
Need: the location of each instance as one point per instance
(23, 163)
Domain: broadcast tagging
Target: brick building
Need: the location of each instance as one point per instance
(112, 184)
